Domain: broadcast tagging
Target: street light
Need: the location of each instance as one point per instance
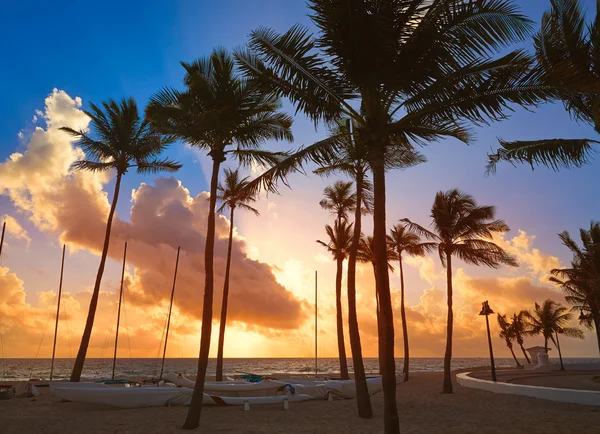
(485, 311)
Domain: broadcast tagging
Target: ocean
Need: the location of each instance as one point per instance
(22, 369)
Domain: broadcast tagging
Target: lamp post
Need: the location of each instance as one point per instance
(486, 311)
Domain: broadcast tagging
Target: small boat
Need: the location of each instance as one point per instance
(135, 397)
(6, 392)
(234, 388)
(316, 388)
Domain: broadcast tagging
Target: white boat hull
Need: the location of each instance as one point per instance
(136, 397)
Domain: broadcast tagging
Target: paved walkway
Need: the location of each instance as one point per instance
(577, 380)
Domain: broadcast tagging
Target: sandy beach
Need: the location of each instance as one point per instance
(422, 408)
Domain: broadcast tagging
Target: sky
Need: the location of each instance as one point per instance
(60, 56)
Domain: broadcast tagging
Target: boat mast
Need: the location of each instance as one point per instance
(119, 314)
(316, 338)
(162, 365)
(2, 239)
(2, 334)
(62, 268)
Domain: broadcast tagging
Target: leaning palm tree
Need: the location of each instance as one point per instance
(567, 51)
(119, 140)
(339, 199)
(231, 195)
(463, 229)
(352, 160)
(340, 240)
(519, 328)
(550, 320)
(581, 281)
(407, 72)
(224, 115)
(405, 241)
(508, 334)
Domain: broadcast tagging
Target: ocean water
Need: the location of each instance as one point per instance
(21, 369)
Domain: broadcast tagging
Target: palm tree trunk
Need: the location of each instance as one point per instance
(562, 367)
(340, 319)
(545, 344)
(524, 353)
(219, 374)
(403, 315)
(597, 327)
(89, 324)
(363, 401)
(193, 417)
(449, 328)
(387, 362)
(510, 347)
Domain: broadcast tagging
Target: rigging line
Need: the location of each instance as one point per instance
(62, 267)
(162, 366)
(66, 320)
(2, 347)
(41, 340)
(108, 333)
(119, 314)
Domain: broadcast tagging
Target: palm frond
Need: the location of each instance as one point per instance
(552, 153)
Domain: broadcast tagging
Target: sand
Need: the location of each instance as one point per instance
(422, 409)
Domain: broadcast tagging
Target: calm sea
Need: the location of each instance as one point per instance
(20, 369)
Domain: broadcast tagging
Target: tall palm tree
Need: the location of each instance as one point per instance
(119, 140)
(366, 254)
(581, 282)
(339, 199)
(352, 160)
(232, 196)
(508, 334)
(519, 328)
(225, 115)
(340, 240)
(550, 320)
(463, 229)
(568, 52)
(405, 241)
(407, 72)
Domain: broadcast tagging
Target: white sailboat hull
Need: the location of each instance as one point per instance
(136, 397)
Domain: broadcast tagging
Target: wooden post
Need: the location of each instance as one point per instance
(119, 313)
(62, 267)
(162, 366)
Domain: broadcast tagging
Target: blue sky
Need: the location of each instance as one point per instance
(110, 49)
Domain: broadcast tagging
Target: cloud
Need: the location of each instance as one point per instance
(426, 266)
(74, 206)
(538, 264)
(14, 228)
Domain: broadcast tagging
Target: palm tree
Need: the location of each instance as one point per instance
(339, 199)
(231, 196)
(549, 320)
(366, 254)
(581, 282)
(508, 334)
(352, 160)
(463, 229)
(340, 240)
(519, 328)
(407, 72)
(225, 115)
(121, 140)
(567, 51)
(403, 240)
